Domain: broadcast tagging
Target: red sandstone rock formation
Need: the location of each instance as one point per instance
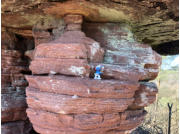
(66, 99)
(13, 83)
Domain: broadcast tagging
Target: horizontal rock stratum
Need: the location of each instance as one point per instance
(63, 97)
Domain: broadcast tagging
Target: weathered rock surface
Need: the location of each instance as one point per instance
(152, 22)
(17, 127)
(76, 67)
(123, 50)
(85, 123)
(61, 51)
(94, 52)
(67, 55)
(145, 96)
(61, 102)
(83, 87)
(73, 19)
(41, 37)
(66, 104)
(13, 101)
(10, 53)
(13, 107)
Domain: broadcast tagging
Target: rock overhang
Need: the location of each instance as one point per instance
(153, 23)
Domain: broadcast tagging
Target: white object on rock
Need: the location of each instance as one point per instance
(74, 96)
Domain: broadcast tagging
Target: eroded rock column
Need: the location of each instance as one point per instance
(63, 97)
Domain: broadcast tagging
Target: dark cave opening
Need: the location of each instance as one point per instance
(169, 48)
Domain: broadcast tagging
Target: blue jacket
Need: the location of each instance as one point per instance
(98, 70)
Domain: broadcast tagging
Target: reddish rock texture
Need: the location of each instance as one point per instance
(61, 51)
(41, 36)
(83, 87)
(13, 84)
(73, 104)
(17, 127)
(123, 51)
(86, 123)
(77, 67)
(68, 55)
(145, 95)
(66, 98)
(152, 21)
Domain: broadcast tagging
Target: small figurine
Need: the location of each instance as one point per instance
(99, 70)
